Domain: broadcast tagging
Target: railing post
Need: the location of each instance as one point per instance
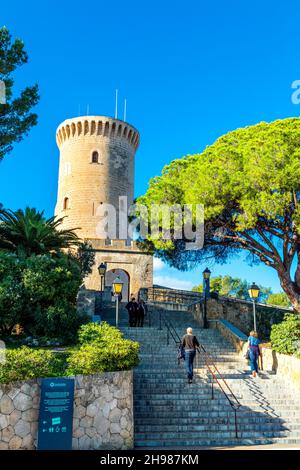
(160, 320)
(168, 337)
(235, 423)
(212, 389)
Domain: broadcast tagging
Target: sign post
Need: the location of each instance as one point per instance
(56, 414)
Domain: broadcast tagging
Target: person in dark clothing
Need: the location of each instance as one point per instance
(141, 312)
(189, 343)
(132, 308)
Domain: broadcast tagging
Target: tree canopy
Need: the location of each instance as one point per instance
(16, 118)
(249, 184)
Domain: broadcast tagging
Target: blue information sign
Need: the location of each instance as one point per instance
(56, 414)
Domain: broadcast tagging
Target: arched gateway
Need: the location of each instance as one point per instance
(124, 276)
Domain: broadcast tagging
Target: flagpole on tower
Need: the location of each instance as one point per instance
(125, 109)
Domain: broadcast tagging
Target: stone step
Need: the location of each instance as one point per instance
(214, 435)
(188, 443)
(230, 427)
(204, 399)
(226, 419)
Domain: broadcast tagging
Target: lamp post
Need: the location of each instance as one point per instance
(206, 288)
(102, 271)
(117, 287)
(254, 294)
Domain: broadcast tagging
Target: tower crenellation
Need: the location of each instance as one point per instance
(96, 126)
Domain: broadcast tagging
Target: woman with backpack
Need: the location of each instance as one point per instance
(189, 342)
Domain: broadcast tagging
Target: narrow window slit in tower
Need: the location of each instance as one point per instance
(95, 157)
(66, 204)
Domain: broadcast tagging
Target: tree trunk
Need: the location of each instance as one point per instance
(297, 274)
(290, 288)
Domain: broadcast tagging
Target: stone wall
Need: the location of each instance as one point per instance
(197, 310)
(238, 339)
(240, 314)
(103, 412)
(86, 302)
(168, 306)
(283, 365)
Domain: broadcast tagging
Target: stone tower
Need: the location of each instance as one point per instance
(97, 167)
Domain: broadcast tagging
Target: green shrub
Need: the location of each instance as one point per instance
(94, 357)
(285, 337)
(103, 333)
(102, 349)
(25, 363)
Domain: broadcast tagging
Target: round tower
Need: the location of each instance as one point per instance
(96, 167)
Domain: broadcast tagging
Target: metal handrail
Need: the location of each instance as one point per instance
(235, 404)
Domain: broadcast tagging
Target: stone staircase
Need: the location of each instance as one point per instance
(173, 414)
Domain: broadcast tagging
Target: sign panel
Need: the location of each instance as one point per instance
(56, 414)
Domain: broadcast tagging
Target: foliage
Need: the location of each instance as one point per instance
(285, 337)
(25, 363)
(93, 358)
(58, 321)
(249, 184)
(11, 292)
(39, 292)
(102, 349)
(29, 232)
(279, 298)
(15, 117)
(100, 333)
(233, 287)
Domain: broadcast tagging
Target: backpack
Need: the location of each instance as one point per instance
(180, 353)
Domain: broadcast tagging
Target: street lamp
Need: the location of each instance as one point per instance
(254, 294)
(102, 271)
(206, 288)
(117, 287)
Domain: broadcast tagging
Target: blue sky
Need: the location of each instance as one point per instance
(191, 71)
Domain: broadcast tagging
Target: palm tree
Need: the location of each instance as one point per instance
(29, 232)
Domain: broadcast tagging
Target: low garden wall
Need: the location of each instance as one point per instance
(168, 306)
(283, 365)
(86, 302)
(103, 412)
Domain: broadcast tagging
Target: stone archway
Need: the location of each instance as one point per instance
(111, 275)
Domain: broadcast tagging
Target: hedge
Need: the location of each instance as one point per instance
(102, 349)
(285, 337)
(26, 363)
